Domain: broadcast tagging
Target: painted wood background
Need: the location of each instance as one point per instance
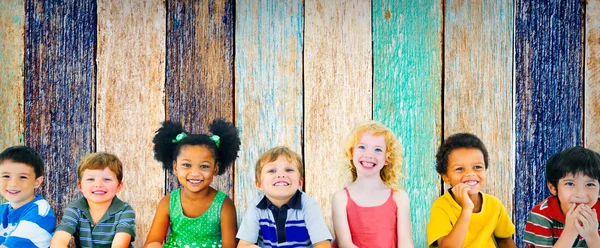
(100, 76)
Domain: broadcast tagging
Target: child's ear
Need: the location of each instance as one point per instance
(119, 187)
(301, 181)
(38, 181)
(446, 179)
(216, 168)
(258, 184)
(552, 189)
(174, 166)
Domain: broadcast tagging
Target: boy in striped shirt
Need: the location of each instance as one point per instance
(99, 218)
(569, 217)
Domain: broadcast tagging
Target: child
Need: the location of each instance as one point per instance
(285, 216)
(26, 219)
(371, 212)
(464, 216)
(197, 214)
(99, 218)
(569, 217)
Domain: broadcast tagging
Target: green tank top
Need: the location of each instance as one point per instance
(202, 231)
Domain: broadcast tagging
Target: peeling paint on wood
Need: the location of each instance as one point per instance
(548, 64)
(59, 92)
(337, 89)
(592, 76)
(268, 73)
(407, 61)
(12, 47)
(478, 84)
(200, 70)
(130, 104)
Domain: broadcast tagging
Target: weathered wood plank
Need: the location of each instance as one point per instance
(337, 88)
(131, 76)
(200, 69)
(268, 87)
(12, 47)
(478, 41)
(592, 76)
(407, 61)
(59, 91)
(548, 67)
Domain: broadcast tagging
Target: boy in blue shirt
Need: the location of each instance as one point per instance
(26, 220)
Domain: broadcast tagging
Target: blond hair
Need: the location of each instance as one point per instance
(393, 155)
(100, 161)
(272, 155)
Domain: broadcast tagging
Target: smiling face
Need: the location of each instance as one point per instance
(280, 180)
(195, 167)
(99, 186)
(576, 189)
(369, 155)
(18, 183)
(466, 165)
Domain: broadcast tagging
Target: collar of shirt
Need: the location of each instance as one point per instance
(295, 202)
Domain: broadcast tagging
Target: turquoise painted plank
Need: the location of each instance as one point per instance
(407, 65)
(268, 85)
(592, 76)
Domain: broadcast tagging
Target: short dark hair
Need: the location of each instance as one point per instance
(25, 155)
(456, 141)
(572, 160)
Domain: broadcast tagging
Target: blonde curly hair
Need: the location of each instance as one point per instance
(389, 173)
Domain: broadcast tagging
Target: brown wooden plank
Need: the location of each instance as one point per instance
(338, 89)
(130, 104)
(12, 49)
(592, 76)
(200, 69)
(478, 84)
(268, 86)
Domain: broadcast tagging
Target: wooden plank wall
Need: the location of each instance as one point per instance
(268, 85)
(548, 78)
(592, 76)
(407, 99)
(59, 92)
(12, 48)
(338, 89)
(130, 102)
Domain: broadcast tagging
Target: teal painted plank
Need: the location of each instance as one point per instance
(268, 86)
(407, 67)
(478, 58)
(592, 76)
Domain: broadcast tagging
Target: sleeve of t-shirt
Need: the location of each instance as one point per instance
(250, 227)
(34, 229)
(505, 228)
(126, 222)
(538, 230)
(69, 221)
(439, 224)
(315, 224)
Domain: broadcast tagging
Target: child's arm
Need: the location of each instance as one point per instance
(403, 215)
(60, 239)
(340, 220)
(125, 228)
(323, 244)
(506, 243)
(246, 244)
(228, 224)
(456, 237)
(160, 225)
(121, 240)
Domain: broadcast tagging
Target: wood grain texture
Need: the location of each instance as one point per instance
(478, 84)
(407, 65)
(592, 76)
(130, 104)
(268, 85)
(548, 67)
(59, 92)
(200, 70)
(337, 90)
(12, 47)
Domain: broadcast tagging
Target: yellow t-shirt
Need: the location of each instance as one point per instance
(492, 220)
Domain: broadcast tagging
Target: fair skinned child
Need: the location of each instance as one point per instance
(568, 218)
(464, 216)
(371, 212)
(99, 218)
(284, 216)
(197, 214)
(26, 219)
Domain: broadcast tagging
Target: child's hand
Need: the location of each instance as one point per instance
(571, 219)
(461, 195)
(587, 223)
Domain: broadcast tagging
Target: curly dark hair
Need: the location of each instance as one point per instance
(572, 160)
(166, 149)
(455, 141)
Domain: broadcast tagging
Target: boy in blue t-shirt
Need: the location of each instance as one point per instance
(26, 220)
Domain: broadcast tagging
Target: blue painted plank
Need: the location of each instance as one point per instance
(548, 74)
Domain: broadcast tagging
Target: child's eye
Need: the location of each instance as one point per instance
(5, 176)
(89, 179)
(361, 147)
(289, 170)
(458, 169)
(107, 179)
(478, 167)
(592, 185)
(378, 150)
(186, 165)
(23, 177)
(271, 171)
(570, 184)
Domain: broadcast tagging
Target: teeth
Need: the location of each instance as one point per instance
(471, 183)
(194, 181)
(98, 192)
(368, 164)
(282, 184)
(12, 191)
